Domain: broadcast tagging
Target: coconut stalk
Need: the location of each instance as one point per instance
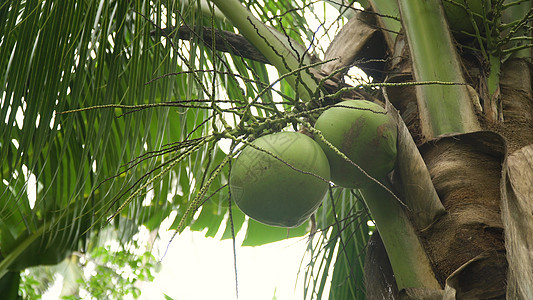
(419, 194)
(442, 109)
(491, 110)
(409, 261)
(372, 151)
(203, 6)
(275, 47)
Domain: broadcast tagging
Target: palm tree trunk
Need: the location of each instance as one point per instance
(484, 181)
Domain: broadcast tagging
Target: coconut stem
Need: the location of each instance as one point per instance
(409, 261)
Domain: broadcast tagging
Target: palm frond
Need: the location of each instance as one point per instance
(62, 57)
(337, 252)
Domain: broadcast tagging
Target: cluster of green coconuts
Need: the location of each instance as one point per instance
(282, 178)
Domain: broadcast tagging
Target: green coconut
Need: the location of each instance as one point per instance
(271, 192)
(459, 18)
(366, 134)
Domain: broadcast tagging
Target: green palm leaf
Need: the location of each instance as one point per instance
(64, 56)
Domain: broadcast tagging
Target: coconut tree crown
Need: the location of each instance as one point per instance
(118, 115)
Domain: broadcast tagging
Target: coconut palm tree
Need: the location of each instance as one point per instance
(117, 114)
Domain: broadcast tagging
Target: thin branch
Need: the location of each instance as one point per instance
(225, 41)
